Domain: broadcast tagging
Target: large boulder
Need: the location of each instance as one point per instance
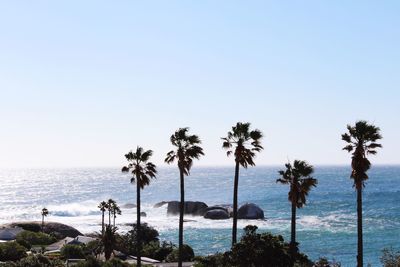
(195, 208)
(250, 211)
(217, 214)
(58, 229)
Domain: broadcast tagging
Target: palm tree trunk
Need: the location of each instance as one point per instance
(109, 217)
(42, 223)
(359, 227)
(293, 231)
(114, 219)
(139, 247)
(235, 204)
(102, 223)
(181, 211)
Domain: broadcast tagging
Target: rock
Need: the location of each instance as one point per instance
(143, 214)
(129, 206)
(227, 207)
(217, 214)
(160, 204)
(250, 211)
(195, 208)
(58, 229)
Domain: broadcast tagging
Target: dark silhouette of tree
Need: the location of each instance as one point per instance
(108, 241)
(187, 149)
(103, 207)
(142, 172)
(110, 205)
(243, 144)
(115, 211)
(44, 213)
(361, 141)
(299, 178)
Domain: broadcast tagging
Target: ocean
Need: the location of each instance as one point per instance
(326, 226)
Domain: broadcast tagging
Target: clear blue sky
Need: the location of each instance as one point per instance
(83, 82)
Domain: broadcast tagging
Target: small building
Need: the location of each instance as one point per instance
(9, 233)
(79, 240)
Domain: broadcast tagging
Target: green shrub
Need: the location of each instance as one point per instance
(127, 243)
(156, 251)
(28, 239)
(89, 262)
(115, 263)
(323, 262)
(187, 254)
(390, 258)
(72, 252)
(262, 250)
(38, 261)
(11, 251)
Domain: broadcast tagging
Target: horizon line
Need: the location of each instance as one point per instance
(199, 166)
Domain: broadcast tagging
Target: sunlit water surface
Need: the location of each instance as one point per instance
(325, 227)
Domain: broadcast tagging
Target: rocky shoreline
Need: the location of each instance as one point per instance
(246, 211)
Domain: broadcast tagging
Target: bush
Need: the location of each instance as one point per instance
(390, 258)
(93, 248)
(37, 261)
(216, 260)
(127, 243)
(72, 252)
(187, 254)
(115, 263)
(323, 262)
(11, 251)
(89, 262)
(262, 250)
(28, 239)
(158, 252)
(93, 262)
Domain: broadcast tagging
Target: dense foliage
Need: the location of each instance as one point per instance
(127, 243)
(258, 250)
(187, 254)
(11, 251)
(93, 262)
(34, 261)
(29, 239)
(323, 262)
(72, 252)
(390, 258)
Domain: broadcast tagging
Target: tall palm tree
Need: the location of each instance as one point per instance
(142, 172)
(187, 149)
(110, 204)
(361, 141)
(103, 207)
(44, 212)
(115, 211)
(243, 143)
(299, 178)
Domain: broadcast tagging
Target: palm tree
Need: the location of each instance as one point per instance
(142, 172)
(103, 207)
(44, 212)
(115, 211)
(110, 204)
(299, 178)
(242, 143)
(187, 149)
(108, 241)
(362, 140)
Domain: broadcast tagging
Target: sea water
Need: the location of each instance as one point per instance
(326, 226)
